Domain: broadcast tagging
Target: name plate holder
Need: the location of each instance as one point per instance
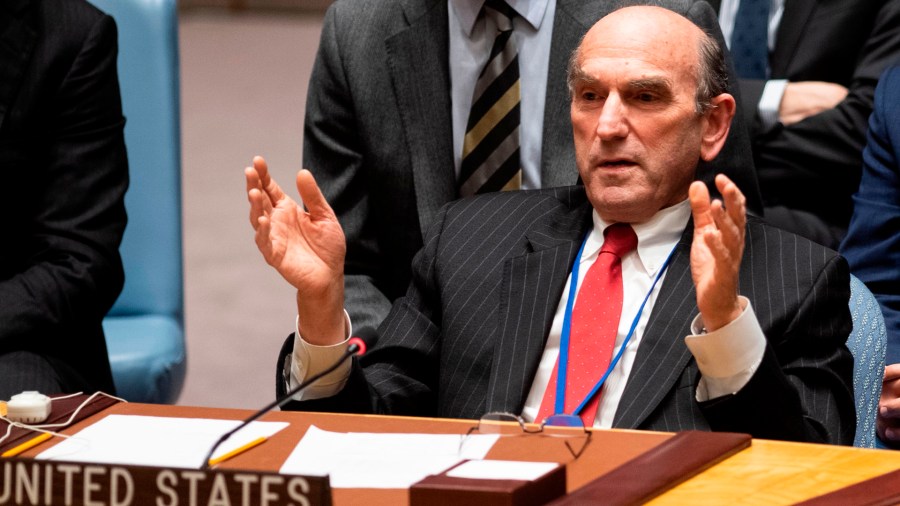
(30, 482)
(446, 490)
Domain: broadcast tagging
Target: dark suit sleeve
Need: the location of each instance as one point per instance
(828, 145)
(872, 245)
(71, 270)
(400, 375)
(801, 390)
(334, 152)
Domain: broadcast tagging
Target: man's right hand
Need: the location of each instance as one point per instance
(306, 247)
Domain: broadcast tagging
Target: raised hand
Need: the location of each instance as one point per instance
(306, 247)
(716, 250)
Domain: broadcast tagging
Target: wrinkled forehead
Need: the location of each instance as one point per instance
(652, 34)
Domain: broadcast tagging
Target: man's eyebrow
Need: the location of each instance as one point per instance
(657, 84)
(580, 77)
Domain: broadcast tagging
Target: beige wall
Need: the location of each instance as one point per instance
(243, 90)
(302, 5)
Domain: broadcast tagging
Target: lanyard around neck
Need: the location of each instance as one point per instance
(562, 366)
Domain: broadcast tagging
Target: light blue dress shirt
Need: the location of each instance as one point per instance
(471, 39)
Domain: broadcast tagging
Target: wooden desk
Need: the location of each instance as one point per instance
(769, 472)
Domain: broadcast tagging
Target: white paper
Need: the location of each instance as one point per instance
(155, 441)
(367, 460)
(502, 470)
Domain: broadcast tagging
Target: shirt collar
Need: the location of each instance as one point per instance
(656, 236)
(467, 11)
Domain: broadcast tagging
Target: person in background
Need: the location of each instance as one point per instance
(65, 172)
(872, 245)
(808, 70)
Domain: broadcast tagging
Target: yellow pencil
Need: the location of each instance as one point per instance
(31, 443)
(232, 453)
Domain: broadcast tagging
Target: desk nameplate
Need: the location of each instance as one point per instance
(40, 482)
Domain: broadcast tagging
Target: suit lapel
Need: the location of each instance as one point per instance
(662, 354)
(420, 73)
(17, 40)
(531, 288)
(793, 26)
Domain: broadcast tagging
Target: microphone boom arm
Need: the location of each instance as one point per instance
(351, 350)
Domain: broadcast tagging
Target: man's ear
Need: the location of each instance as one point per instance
(716, 123)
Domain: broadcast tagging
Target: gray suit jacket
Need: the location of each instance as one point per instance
(378, 138)
(468, 336)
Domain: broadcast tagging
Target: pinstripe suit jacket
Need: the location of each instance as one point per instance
(468, 336)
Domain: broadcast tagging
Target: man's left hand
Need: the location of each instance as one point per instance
(716, 250)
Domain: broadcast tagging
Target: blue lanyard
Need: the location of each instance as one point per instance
(562, 367)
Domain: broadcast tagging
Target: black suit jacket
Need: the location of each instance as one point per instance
(377, 133)
(815, 165)
(467, 337)
(64, 170)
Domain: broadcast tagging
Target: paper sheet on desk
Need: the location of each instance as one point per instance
(155, 441)
(366, 460)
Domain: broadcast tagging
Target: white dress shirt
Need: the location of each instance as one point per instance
(735, 352)
(471, 39)
(727, 358)
(770, 101)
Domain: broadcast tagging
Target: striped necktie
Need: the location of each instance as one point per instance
(490, 159)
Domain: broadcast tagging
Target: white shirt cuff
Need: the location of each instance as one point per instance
(309, 359)
(727, 357)
(770, 102)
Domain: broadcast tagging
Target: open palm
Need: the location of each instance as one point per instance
(306, 247)
(716, 251)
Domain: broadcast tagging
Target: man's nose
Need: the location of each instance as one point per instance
(611, 124)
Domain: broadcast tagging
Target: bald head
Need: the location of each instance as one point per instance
(643, 115)
(675, 37)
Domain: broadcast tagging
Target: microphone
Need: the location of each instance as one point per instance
(364, 339)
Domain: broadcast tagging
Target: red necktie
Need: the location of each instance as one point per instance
(595, 323)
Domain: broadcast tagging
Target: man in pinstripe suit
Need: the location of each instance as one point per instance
(479, 328)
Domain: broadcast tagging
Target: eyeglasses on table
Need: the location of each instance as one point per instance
(570, 427)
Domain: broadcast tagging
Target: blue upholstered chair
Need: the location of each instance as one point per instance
(868, 343)
(145, 328)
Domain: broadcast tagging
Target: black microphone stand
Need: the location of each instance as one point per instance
(351, 350)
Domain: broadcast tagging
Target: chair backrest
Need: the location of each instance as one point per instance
(149, 79)
(868, 343)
